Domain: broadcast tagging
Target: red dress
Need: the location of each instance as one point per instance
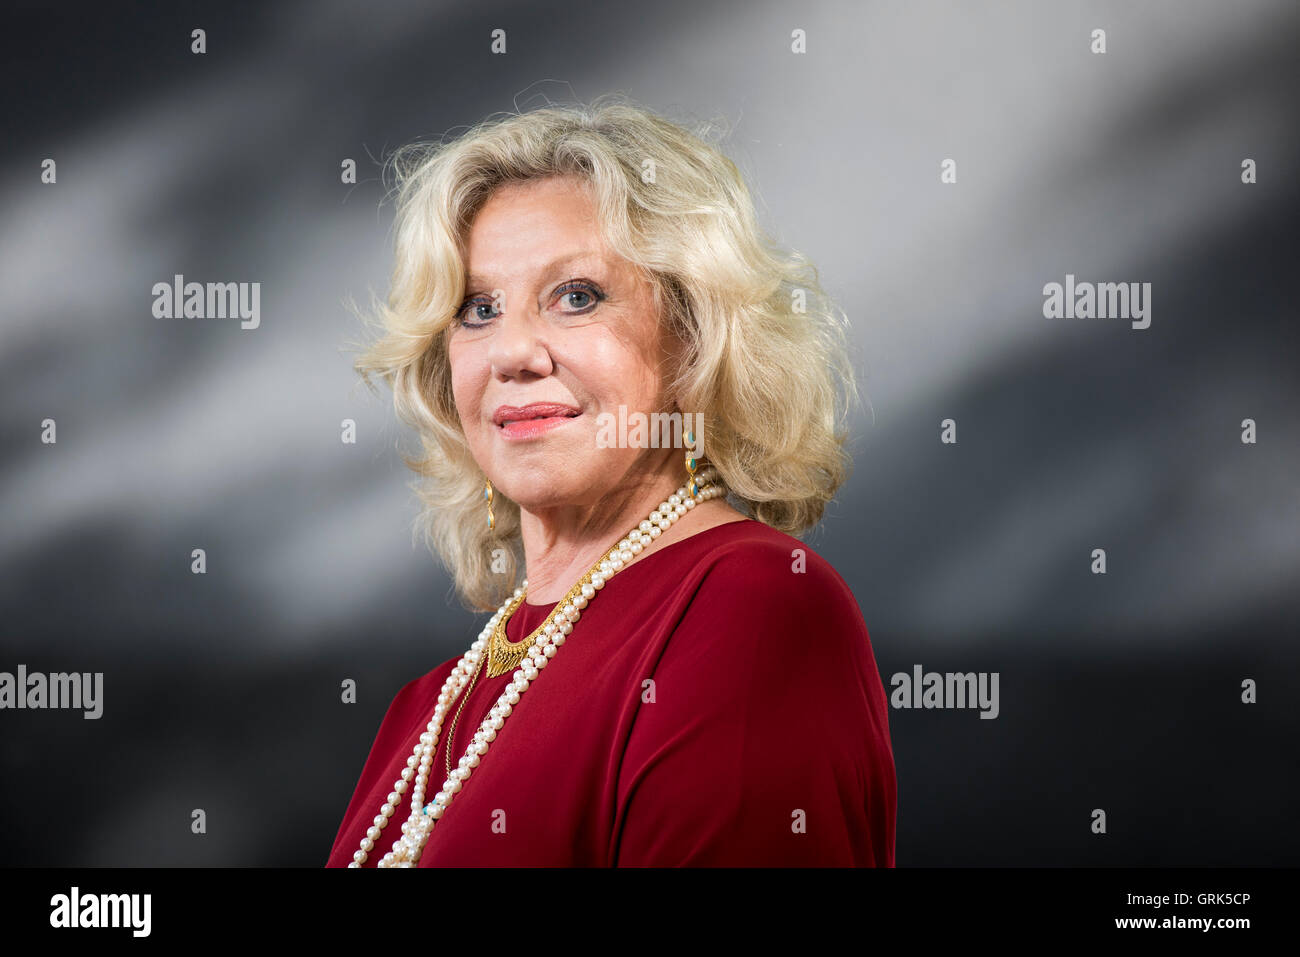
(717, 704)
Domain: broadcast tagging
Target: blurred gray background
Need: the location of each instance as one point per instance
(221, 692)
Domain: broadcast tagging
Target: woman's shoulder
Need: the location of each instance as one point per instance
(758, 581)
(415, 695)
(762, 564)
(764, 621)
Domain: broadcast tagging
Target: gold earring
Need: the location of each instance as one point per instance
(691, 463)
(487, 494)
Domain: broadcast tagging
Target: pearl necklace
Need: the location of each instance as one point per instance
(542, 646)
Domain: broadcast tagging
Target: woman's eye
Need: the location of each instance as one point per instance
(469, 314)
(588, 295)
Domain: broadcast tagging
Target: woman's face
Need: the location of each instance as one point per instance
(555, 330)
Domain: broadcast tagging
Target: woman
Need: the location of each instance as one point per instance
(676, 682)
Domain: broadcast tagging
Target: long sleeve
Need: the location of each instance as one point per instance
(767, 740)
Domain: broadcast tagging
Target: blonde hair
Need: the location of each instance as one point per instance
(765, 356)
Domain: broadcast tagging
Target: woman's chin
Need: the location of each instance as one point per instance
(536, 497)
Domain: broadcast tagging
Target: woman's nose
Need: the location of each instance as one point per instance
(518, 343)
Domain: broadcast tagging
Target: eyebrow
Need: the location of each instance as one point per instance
(476, 280)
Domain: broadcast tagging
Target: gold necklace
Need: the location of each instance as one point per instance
(505, 655)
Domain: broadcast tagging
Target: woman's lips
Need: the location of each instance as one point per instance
(531, 428)
(530, 421)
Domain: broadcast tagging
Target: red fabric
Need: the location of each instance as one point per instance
(767, 702)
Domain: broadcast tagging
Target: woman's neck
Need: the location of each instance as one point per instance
(561, 543)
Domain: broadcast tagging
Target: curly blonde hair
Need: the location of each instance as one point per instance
(765, 349)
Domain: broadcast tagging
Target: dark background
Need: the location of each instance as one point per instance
(221, 691)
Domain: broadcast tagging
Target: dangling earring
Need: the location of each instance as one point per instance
(691, 463)
(487, 494)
